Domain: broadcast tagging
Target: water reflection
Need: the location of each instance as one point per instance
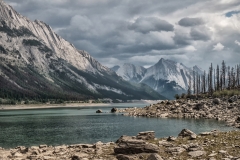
(72, 126)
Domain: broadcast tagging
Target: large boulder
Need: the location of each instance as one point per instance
(187, 133)
(148, 135)
(197, 153)
(232, 99)
(130, 145)
(238, 119)
(154, 156)
(127, 157)
(216, 101)
(199, 106)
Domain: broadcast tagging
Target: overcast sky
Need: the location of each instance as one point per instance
(193, 32)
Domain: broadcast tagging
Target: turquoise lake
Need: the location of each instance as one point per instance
(83, 125)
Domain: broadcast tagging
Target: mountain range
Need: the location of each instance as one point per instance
(167, 77)
(36, 62)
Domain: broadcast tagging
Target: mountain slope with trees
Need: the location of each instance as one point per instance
(36, 63)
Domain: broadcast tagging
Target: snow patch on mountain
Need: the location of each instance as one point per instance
(107, 88)
(166, 76)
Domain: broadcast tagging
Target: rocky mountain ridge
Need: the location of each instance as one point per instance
(38, 62)
(167, 77)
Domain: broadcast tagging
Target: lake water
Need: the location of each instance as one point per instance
(83, 125)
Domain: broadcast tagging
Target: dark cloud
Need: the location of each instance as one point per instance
(200, 34)
(188, 22)
(120, 30)
(148, 24)
(181, 39)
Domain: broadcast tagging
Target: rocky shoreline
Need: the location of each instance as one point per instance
(212, 145)
(221, 109)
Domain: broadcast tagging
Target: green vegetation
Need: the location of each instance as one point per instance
(216, 94)
(226, 93)
(219, 82)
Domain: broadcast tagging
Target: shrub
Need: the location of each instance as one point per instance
(183, 95)
(177, 96)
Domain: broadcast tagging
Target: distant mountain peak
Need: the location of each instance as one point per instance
(168, 77)
(198, 69)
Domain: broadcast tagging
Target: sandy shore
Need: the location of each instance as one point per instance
(38, 106)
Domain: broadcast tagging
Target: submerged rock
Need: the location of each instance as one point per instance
(113, 110)
(99, 111)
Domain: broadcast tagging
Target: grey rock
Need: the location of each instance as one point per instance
(171, 138)
(148, 135)
(206, 133)
(238, 119)
(212, 154)
(43, 146)
(232, 99)
(134, 146)
(175, 150)
(79, 156)
(99, 111)
(197, 153)
(22, 149)
(48, 158)
(127, 157)
(113, 110)
(222, 151)
(154, 156)
(187, 133)
(17, 154)
(216, 101)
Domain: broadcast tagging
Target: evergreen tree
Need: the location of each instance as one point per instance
(189, 86)
(204, 82)
(233, 79)
(229, 78)
(210, 85)
(217, 77)
(238, 76)
(223, 75)
(194, 84)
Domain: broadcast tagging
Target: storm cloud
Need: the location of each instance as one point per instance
(148, 24)
(142, 32)
(188, 22)
(200, 34)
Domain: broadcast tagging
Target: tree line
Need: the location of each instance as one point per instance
(217, 79)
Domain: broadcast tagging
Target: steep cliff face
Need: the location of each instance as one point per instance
(57, 67)
(167, 77)
(130, 72)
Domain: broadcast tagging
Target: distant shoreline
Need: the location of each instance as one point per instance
(45, 106)
(64, 105)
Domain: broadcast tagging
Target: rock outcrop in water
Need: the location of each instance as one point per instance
(224, 109)
(212, 145)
